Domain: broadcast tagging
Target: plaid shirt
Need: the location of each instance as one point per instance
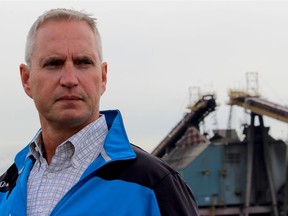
(48, 184)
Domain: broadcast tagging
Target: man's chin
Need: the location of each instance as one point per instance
(67, 121)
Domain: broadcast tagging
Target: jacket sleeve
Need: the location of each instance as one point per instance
(175, 197)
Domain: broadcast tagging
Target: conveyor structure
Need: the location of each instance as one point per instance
(203, 107)
(229, 176)
(258, 105)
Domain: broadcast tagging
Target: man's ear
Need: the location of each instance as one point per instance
(25, 78)
(104, 70)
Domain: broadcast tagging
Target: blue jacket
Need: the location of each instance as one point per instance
(123, 181)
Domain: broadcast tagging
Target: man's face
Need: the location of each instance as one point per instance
(66, 78)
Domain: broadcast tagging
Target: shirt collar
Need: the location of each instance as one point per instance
(36, 148)
(91, 135)
(87, 140)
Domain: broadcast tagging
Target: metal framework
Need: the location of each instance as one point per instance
(199, 111)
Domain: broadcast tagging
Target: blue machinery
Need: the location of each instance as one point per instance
(229, 176)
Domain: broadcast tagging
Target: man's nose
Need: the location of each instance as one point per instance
(69, 76)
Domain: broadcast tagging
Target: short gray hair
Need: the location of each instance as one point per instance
(60, 14)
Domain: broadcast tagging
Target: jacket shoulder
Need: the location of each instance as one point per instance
(9, 178)
(146, 169)
(173, 195)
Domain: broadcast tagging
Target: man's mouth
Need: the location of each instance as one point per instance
(69, 98)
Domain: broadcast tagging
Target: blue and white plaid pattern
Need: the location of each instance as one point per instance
(48, 184)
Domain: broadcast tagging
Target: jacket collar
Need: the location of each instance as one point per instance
(116, 145)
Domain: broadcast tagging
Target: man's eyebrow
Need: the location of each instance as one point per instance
(85, 58)
(51, 59)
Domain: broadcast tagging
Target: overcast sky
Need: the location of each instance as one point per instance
(155, 52)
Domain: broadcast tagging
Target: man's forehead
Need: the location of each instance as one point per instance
(62, 22)
(65, 30)
(53, 37)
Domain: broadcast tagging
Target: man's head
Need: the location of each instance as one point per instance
(58, 15)
(64, 75)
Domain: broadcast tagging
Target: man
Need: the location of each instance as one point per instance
(81, 161)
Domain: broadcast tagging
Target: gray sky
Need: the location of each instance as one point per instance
(155, 52)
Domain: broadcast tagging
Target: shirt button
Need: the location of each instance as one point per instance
(40, 209)
(50, 175)
(76, 163)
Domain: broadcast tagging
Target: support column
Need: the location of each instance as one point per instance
(250, 153)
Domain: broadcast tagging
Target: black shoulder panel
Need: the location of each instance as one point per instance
(174, 197)
(145, 169)
(8, 179)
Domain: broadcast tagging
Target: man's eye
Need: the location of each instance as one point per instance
(83, 62)
(54, 63)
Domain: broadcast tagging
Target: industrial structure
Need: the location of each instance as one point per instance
(230, 176)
